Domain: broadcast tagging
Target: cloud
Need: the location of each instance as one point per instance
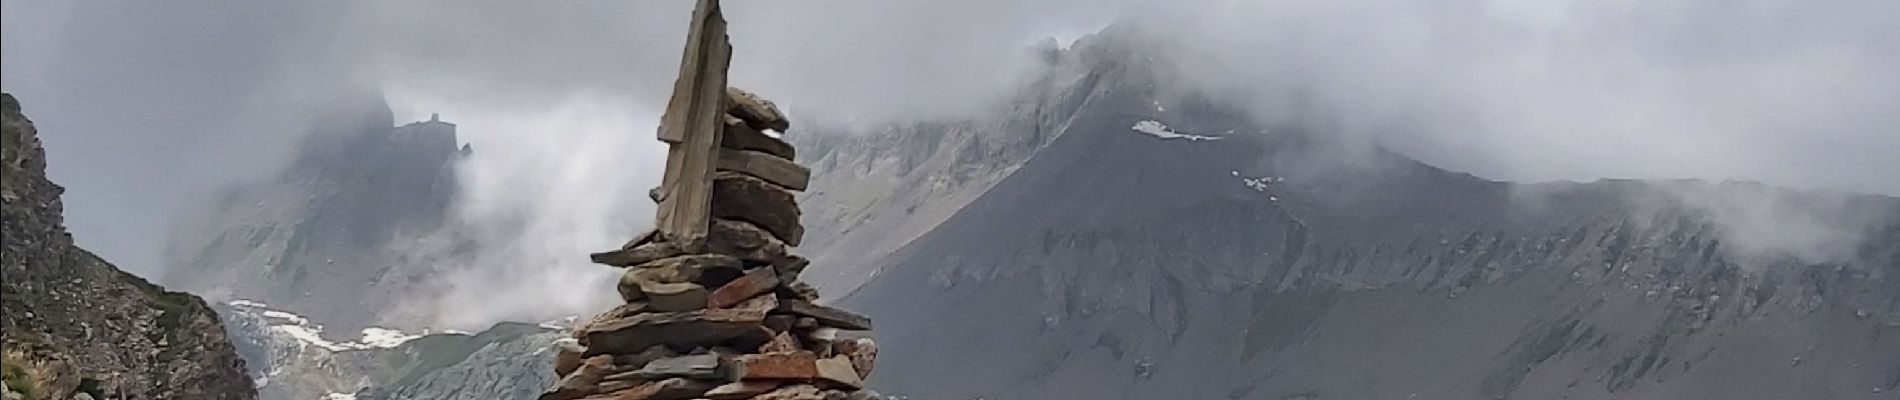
(144, 103)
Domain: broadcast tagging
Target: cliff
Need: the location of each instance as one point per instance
(74, 323)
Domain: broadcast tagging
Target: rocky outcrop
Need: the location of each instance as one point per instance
(724, 317)
(349, 228)
(73, 323)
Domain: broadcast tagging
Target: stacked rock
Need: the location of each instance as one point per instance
(725, 318)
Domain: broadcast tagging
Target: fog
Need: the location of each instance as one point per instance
(144, 105)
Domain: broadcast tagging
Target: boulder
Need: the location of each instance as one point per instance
(677, 330)
(827, 316)
(757, 282)
(742, 197)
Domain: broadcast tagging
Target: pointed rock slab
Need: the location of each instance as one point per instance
(670, 389)
(746, 241)
(741, 390)
(756, 282)
(827, 316)
(637, 255)
(839, 373)
(640, 360)
(797, 365)
(780, 343)
(789, 267)
(677, 330)
(742, 197)
(861, 351)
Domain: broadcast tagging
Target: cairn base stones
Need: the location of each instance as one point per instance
(722, 317)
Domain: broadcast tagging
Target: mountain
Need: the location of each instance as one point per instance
(1162, 245)
(348, 229)
(73, 323)
(291, 359)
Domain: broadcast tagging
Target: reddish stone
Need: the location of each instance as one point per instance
(861, 351)
(793, 365)
(741, 390)
(758, 281)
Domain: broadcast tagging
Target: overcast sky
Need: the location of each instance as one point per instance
(144, 106)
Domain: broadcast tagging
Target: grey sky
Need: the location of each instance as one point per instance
(144, 105)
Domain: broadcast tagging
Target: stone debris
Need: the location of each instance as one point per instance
(726, 318)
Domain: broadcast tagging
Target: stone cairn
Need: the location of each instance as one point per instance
(714, 308)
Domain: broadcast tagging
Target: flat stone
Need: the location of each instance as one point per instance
(827, 316)
(742, 197)
(744, 240)
(639, 360)
(637, 255)
(778, 171)
(677, 330)
(782, 322)
(739, 136)
(669, 389)
(741, 390)
(793, 392)
(757, 282)
(674, 296)
(839, 372)
(757, 112)
(791, 365)
(703, 366)
(861, 351)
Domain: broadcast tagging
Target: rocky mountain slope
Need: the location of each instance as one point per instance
(1163, 246)
(291, 359)
(346, 230)
(75, 324)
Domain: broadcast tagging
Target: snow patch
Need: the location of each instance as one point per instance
(246, 304)
(1157, 129)
(308, 336)
(385, 338)
(339, 396)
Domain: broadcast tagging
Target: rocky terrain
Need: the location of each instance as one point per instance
(351, 225)
(77, 327)
(291, 359)
(1163, 246)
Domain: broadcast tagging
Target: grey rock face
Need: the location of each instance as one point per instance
(1116, 263)
(88, 325)
(344, 231)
